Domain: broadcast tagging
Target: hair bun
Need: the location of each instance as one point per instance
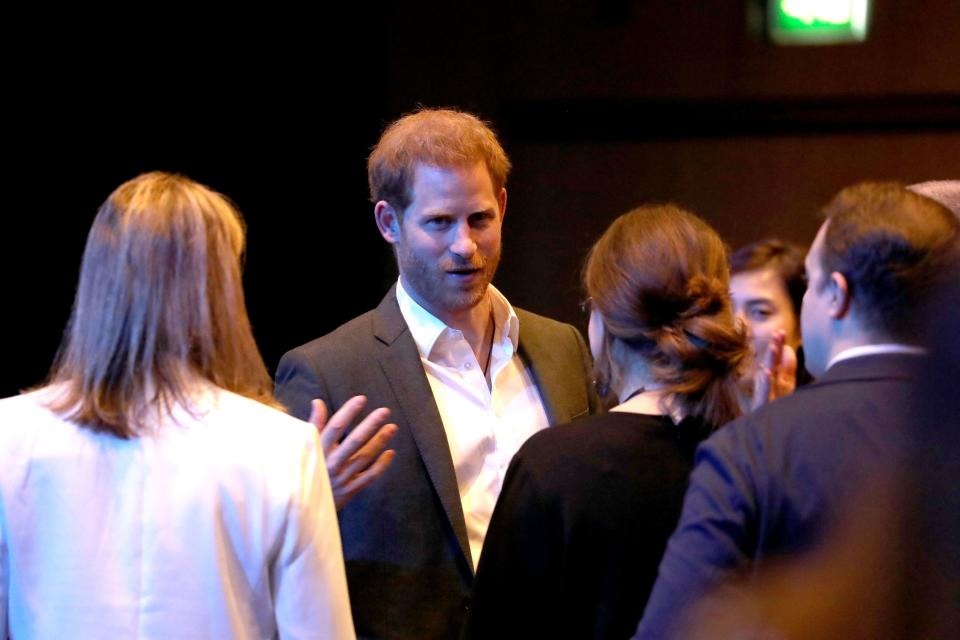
(706, 295)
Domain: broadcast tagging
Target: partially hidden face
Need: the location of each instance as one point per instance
(816, 317)
(760, 299)
(448, 246)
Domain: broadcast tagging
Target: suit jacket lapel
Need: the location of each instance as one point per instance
(400, 362)
(563, 394)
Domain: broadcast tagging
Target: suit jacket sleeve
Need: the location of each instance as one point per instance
(716, 534)
(298, 382)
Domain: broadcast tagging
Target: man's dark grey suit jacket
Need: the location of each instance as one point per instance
(404, 537)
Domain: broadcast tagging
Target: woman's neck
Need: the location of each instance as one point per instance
(642, 400)
(638, 392)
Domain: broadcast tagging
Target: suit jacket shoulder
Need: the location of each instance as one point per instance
(338, 365)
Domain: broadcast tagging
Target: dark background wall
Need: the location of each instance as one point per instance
(602, 105)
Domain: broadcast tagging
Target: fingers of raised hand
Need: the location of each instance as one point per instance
(318, 414)
(338, 422)
(369, 435)
(365, 477)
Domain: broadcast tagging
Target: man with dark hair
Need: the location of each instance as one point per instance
(467, 378)
(771, 482)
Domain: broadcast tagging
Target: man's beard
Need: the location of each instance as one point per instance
(439, 291)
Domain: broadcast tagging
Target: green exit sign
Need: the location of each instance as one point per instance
(818, 21)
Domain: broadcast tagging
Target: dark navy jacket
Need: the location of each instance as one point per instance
(770, 482)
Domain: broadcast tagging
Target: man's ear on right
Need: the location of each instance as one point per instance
(840, 298)
(388, 221)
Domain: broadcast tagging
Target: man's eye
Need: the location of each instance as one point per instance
(481, 219)
(438, 222)
(760, 314)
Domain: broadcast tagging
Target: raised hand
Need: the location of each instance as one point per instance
(776, 376)
(360, 458)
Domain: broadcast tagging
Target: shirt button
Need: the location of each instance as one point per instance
(468, 366)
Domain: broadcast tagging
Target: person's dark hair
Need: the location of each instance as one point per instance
(892, 246)
(783, 258)
(159, 305)
(659, 278)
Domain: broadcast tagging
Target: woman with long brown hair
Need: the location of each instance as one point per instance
(587, 508)
(151, 488)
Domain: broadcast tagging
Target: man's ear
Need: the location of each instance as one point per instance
(503, 202)
(839, 289)
(388, 221)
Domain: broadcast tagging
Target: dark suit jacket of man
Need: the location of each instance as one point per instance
(404, 537)
(770, 482)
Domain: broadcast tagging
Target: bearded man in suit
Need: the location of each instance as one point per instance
(466, 377)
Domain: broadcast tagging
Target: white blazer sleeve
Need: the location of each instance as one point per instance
(310, 583)
(4, 579)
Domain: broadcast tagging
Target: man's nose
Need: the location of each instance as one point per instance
(463, 243)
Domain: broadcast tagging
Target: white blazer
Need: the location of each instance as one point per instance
(218, 523)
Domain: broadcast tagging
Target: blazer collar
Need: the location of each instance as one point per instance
(898, 366)
(388, 323)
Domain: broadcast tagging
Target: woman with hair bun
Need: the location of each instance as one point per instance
(586, 508)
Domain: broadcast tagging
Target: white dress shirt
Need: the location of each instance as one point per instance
(218, 525)
(485, 425)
